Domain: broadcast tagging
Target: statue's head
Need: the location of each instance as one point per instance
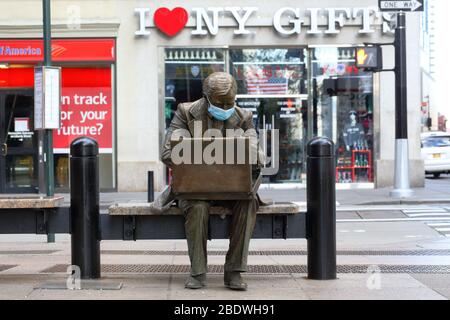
(220, 88)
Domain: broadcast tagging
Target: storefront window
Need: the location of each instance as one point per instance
(20, 172)
(86, 111)
(185, 71)
(272, 84)
(269, 71)
(343, 110)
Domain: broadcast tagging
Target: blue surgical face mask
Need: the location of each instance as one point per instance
(219, 113)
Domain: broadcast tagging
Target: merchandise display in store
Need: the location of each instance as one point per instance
(301, 92)
(356, 168)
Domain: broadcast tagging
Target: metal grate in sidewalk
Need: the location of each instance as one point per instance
(286, 252)
(262, 269)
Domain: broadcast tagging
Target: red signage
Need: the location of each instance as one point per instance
(85, 112)
(171, 22)
(63, 50)
(71, 77)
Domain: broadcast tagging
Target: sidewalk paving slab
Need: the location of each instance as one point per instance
(270, 287)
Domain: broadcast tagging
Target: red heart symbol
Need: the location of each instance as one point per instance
(171, 22)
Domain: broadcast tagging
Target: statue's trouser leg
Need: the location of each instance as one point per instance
(196, 227)
(242, 225)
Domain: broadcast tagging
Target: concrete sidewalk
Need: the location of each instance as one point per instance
(413, 258)
(376, 260)
(156, 270)
(436, 191)
(264, 288)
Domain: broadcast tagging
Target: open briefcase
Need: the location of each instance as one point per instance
(214, 169)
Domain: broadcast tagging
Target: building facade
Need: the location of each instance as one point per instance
(126, 66)
(429, 106)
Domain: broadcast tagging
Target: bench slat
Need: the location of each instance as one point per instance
(144, 209)
(31, 202)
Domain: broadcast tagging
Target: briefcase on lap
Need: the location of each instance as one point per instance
(231, 177)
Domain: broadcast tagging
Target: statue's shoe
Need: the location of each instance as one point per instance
(233, 281)
(195, 282)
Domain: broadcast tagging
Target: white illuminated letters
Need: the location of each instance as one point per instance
(287, 21)
(314, 15)
(389, 21)
(212, 24)
(142, 15)
(366, 14)
(296, 23)
(336, 16)
(241, 20)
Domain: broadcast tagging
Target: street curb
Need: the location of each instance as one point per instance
(405, 202)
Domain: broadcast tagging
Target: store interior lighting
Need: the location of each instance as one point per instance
(191, 55)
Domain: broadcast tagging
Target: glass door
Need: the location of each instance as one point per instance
(18, 157)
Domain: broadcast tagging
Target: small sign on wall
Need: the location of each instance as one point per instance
(22, 124)
(47, 98)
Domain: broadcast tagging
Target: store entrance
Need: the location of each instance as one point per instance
(18, 156)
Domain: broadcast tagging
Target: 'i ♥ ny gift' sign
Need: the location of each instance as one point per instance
(286, 21)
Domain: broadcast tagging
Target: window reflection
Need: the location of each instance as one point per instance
(185, 71)
(272, 84)
(269, 71)
(436, 142)
(290, 118)
(343, 110)
(20, 172)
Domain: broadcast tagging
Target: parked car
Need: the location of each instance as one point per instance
(436, 152)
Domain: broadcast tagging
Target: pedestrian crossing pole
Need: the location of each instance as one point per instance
(48, 134)
(402, 187)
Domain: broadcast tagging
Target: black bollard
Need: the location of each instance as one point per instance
(84, 207)
(150, 187)
(321, 215)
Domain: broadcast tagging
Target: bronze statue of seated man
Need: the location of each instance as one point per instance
(216, 110)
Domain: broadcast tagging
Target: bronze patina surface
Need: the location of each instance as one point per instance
(219, 91)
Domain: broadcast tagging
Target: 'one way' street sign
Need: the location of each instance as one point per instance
(401, 5)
